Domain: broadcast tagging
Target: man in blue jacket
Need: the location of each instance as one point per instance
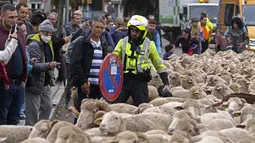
(153, 35)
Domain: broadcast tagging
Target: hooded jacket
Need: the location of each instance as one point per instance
(36, 81)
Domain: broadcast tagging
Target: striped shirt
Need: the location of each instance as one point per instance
(96, 62)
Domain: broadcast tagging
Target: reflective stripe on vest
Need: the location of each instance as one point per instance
(141, 58)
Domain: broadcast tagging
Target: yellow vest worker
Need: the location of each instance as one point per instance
(136, 52)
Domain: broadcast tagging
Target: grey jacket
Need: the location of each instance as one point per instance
(36, 79)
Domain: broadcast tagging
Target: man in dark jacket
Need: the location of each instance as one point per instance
(87, 56)
(11, 100)
(22, 10)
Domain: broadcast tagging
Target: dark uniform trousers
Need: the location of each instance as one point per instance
(138, 89)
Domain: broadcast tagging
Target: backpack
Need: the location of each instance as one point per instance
(221, 41)
(70, 49)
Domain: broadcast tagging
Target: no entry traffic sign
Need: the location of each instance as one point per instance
(111, 77)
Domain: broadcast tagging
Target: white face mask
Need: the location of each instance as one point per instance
(46, 39)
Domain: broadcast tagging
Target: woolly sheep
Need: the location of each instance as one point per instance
(181, 94)
(213, 80)
(131, 137)
(113, 123)
(220, 90)
(245, 114)
(184, 124)
(152, 93)
(210, 139)
(178, 68)
(180, 137)
(89, 108)
(244, 85)
(142, 107)
(160, 101)
(14, 134)
(234, 104)
(188, 82)
(252, 88)
(235, 87)
(123, 108)
(53, 133)
(72, 134)
(36, 140)
(250, 127)
(196, 93)
(235, 133)
(168, 108)
(246, 140)
(192, 106)
(174, 89)
(156, 81)
(42, 129)
(220, 124)
(208, 117)
(174, 79)
(217, 134)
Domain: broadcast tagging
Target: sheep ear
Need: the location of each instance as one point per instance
(3, 139)
(243, 100)
(98, 121)
(224, 105)
(236, 114)
(178, 108)
(99, 114)
(54, 122)
(44, 128)
(200, 126)
(241, 126)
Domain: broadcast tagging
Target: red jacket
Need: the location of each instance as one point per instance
(22, 43)
(3, 75)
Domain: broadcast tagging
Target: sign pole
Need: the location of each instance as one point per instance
(67, 11)
(47, 5)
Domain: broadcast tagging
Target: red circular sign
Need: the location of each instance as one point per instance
(111, 77)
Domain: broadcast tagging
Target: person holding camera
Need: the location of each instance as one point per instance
(11, 98)
(38, 92)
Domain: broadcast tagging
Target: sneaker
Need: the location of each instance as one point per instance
(22, 117)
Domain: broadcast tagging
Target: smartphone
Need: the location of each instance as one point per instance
(14, 28)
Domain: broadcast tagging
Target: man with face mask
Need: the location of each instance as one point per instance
(38, 92)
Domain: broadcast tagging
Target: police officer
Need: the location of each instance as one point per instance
(136, 52)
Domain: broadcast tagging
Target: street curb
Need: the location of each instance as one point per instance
(59, 93)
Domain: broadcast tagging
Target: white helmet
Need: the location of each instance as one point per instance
(140, 23)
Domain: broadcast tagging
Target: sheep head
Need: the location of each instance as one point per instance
(175, 79)
(126, 137)
(188, 82)
(196, 93)
(184, 124)
(42, 128)
(110, 123)
(89, 108)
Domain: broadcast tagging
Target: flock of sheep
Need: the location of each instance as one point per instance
(213, 102)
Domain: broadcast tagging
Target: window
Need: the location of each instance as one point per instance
(33, 6)
(38, 6)
(185, 13)
(229, 11)
(237, 10)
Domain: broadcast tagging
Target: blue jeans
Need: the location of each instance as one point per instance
(11, 101)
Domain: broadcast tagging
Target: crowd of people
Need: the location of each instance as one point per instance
(30, 52)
